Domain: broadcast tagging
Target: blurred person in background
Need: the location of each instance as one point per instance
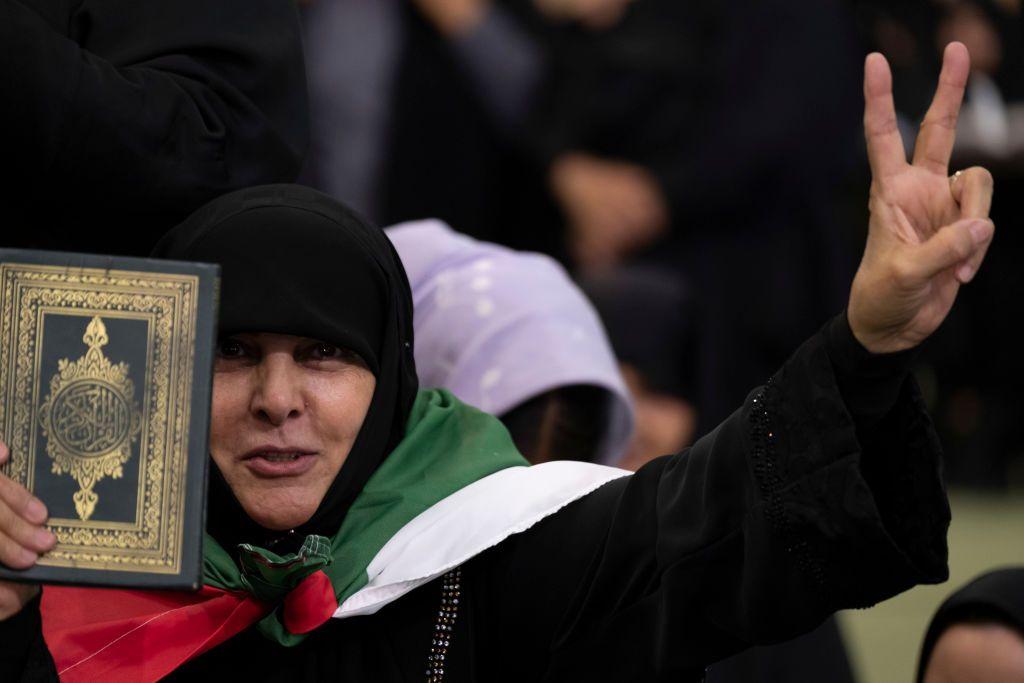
(977, 360)
(991, 127)
(117, 119)
(977, 634)
(508, 332)
(400, 76)
(692, 141)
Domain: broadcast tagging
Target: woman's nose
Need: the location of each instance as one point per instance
(278, 395)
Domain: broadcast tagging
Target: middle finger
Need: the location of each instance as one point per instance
(934, 144)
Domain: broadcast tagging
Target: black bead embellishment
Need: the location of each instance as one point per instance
(442, 637)
(771, 482)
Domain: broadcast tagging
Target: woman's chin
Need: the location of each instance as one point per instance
(278, 517)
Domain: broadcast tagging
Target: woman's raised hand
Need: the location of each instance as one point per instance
(23, 537)
(928, 231)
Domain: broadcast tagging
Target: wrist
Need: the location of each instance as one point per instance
(879, 324)
(869, 383)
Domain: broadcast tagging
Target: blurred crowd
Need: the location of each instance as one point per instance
(698, 166)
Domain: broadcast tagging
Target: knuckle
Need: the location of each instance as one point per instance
(945, 120)
(880, 125)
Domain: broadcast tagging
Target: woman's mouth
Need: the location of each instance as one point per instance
(279, 462)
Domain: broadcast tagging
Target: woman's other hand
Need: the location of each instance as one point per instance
(23, 537)
(929, 231)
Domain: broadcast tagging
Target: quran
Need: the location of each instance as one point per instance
(105, 382)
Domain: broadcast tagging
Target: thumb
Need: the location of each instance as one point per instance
(952, 244)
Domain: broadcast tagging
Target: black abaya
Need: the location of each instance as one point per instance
(119, 117)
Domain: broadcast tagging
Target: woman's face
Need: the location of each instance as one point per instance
(977, 653)
(286, 411)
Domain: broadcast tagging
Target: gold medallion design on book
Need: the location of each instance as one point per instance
(90, 418)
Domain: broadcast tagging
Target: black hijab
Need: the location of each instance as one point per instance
(295, 261)
(997, 596)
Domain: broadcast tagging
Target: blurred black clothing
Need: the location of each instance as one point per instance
(119, 118)
(779, 517)
(750, 117)
(658, 302)
(816, 656)
(445, 157)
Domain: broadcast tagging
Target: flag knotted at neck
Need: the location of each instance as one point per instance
(295, 580)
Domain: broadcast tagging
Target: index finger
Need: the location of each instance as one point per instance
(885, 146)
(934, 144)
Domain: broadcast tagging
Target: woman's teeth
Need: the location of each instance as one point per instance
(279, 457)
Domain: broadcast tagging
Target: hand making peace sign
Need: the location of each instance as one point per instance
(928, 232)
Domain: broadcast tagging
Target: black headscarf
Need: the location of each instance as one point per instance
(295, 261)
(997, 596)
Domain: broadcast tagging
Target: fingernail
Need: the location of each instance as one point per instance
(44, 539)
(980, 231)
(35, 511)
(964, 273)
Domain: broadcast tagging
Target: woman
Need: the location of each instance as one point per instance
(508, 332)
(977, 634)
(440, 557)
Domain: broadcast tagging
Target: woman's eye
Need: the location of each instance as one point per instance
(320, 351)
(230, 348)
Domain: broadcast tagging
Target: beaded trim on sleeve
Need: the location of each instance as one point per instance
(770, 481)
(443, 628)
